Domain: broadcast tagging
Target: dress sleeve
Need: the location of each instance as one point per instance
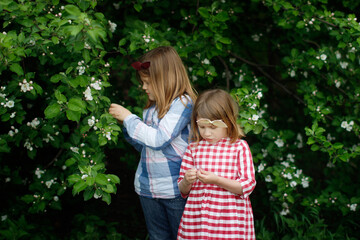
(246, 170)
(186, 164)
(170, 126)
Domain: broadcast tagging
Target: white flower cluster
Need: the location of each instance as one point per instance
(28, 145)
(256, 37)
(92, 121)
(347, 126)
(74, 149)
(279, 142)
(34, 123)
(13, 131)
(87, 94)
(87, 46)
(206, 61)
(107, 135)
(49, 183)
(285, 210)
(112, 26)
(81, 67)
(352, 207)
(96, 84)
(39, 172)
(26, 86)
(344, 65)
(48, 138)
(8, 103)
(147, 38)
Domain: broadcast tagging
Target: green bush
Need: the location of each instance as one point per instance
(291, 65)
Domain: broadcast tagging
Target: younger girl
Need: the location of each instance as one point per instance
(217, 173)
(161, 137)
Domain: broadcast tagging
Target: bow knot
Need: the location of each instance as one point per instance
(139, 66)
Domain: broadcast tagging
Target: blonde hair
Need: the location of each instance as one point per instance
(216, 104)
(168, 78)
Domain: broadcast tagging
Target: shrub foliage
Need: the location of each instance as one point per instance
(293, 66)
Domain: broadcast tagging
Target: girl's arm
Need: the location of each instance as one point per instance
(170, 126)
(187, 175)
(246, 175)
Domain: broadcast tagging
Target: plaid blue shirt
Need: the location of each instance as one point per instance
(162, 143)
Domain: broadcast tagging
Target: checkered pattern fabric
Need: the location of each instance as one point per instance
(212, 212)
(162, 143)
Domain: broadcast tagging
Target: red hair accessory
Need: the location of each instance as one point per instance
(139, 66)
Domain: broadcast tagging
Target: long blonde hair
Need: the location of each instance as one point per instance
(168, 78)
(216, 104)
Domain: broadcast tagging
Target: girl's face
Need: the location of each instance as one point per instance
(147, 88)
(210, 132)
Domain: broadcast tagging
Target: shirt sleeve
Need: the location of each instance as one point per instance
(136, 145)
(246, 170)
(186, 164)
(170, 126)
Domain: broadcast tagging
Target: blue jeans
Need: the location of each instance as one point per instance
(162, 216)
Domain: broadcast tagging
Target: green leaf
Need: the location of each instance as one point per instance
(225, 40)
(59, 96)
(73, 116)
(315, 147)
(16, 68)
(137, 7)
(70, 162)
(115, 179)
(204, 12)
(101, 179)
(56, 78)
(106, 197)
(79, 186)
(73, 11)
(52, 111)
(76, 104)
(73, 178)
(88, 194)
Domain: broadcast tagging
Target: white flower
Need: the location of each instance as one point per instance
(284, 212)
(28, 145)
(84, 176)
(264, 152)
(112, 26)
(254, 117)
(49, 183)
(338, 55)
(3, 217)
(353, 207)
(206, 61)
(292, 73)
(288, 176)
(147, 40)
(7, 179)
(87, 46)
(108, 135)
(81, 69)
(13, 115)
(74, 149)
(255, 37)
(347, 126)
(293, 184)
(305, 74)
(10, 104)
(96, 85)
(286, 164)
(304, 183)
(232, 60)
(268, 178)
(96, 196)
(34, 123)
(261, 167)
(194, 78)
(323, 57)
(56, 198)
(259, 95)
(91, 121)
(87, 94)
(38, 172)
(344, 65)
(279, 142)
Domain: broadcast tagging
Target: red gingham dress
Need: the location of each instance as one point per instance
(212, 212)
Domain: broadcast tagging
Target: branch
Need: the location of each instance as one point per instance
(227, 72)
(269, 77)
(55, 158)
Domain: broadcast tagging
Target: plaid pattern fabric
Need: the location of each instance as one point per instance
(162, 143)
(212, 212)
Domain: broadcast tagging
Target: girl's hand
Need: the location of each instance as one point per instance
(119, 112)
(207, 177)
(190, 176)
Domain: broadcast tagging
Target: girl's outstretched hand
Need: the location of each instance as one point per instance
(119, 112)
(190, 175)
(207, 177)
